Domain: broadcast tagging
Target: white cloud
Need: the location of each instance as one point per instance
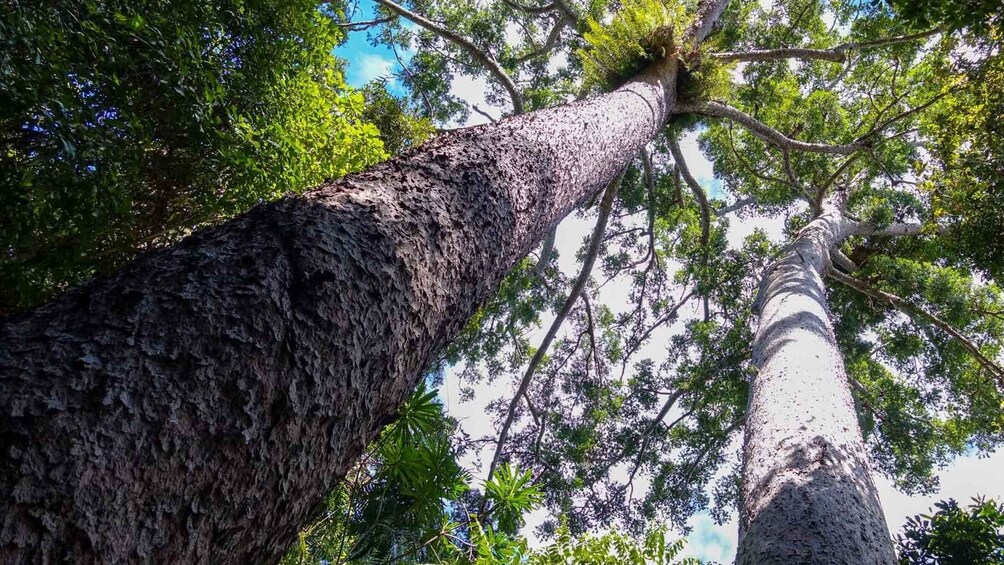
(709, 541)
(699, 165)
(369, 66)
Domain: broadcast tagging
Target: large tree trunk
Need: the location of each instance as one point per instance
(808, 496)
(197, 406)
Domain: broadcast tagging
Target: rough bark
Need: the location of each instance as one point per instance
(808, 496)
(196, 406)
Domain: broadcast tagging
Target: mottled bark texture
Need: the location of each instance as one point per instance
(808, 496)
(198, 405)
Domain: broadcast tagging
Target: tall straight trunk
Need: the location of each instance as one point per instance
(808, 496)
(199, 404)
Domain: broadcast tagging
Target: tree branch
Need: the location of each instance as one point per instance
(606, 205)
(843, 261)
(790, 172)
(708, 13)
(736, 206)
(647, 436)
(485, 59)
(546, 252)
(422, 93)
(821, 192)
(486, 115)
(553, 39)
(763, 131)
(695, 187)
(669, 315)
(758, 55)
(646, 160)
(905, 114)
(915, 311)
(836, 54)
(702, 200)
(592, 336)
(892, 230)
(756, 172)
(355, 26)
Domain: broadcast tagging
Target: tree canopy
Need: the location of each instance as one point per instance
(127, 126)
(953, 534)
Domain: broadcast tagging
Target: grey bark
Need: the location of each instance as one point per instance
(807, 496)
(196, 406)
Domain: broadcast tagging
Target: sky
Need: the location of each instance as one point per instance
(964, 478)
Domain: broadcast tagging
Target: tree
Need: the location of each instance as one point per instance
(219, 370)
(392, 263)
(954, 535)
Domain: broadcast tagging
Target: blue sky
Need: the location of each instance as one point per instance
(365, 61)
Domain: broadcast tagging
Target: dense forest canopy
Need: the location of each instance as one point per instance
(126, 127)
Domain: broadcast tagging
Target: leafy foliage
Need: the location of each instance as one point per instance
(399, 125)
(966, 173)
(612, 548)
(188, 113)
(952, 13)
(954, 535)
(620, 394)
(409, 499)
(510, 492)
(126, 125)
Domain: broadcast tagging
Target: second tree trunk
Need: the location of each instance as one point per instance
(808, 496)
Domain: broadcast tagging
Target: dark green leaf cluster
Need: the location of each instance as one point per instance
(955, 14)
(399, 125)
(954, 535)
(923, 398)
